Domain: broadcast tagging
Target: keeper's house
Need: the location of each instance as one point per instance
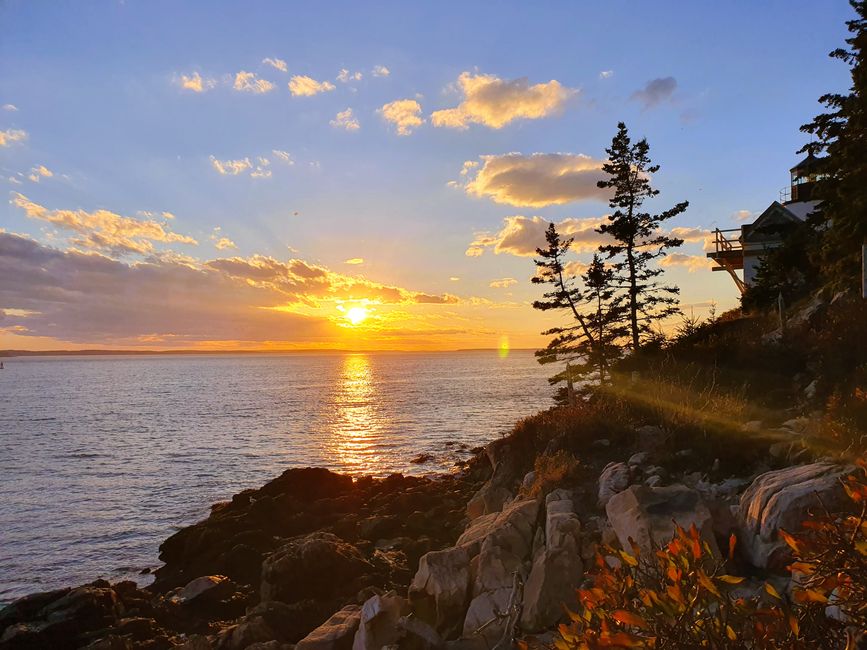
(741, 249)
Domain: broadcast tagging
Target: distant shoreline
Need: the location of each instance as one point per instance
(7, 354)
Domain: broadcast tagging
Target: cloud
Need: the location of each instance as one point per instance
(380, 71)
(495, 102)
(535, 180)
(502, 283)
(742, 215)
(454, 278)
(10, 107)
(39, 172)
(303, 86)
(231, 167)
(248, 82)
(655, 92)
(606, 74)
(345, 120)
(691, 262)
(195, 82)
(354, 261)
(690, 234)
(521, 236)
(11, 136)
(224, 243)
(405, 114)
(279, 64)
(283, 156)
(345, 76)
(104, 230)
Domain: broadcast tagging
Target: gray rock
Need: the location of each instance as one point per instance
(639, 459)
(198, 587)
(613, 479)
(648, 515)
(782, 499)
(440, 590)
(337, 633)
(380, 616)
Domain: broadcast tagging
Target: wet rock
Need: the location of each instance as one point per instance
(318, 565)
(648, 515)
(783, 499)
(337, 633)
(613, 479)
(200, 587)
(421, 459)
(379, 621)
(439, 592)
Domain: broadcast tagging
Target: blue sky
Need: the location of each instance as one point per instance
(96, 88)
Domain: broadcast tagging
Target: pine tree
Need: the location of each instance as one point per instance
(637, 238)
(589, 343)
(842, 135)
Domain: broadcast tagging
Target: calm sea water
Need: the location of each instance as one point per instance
(101, 458)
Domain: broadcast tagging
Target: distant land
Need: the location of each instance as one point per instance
(92, 353)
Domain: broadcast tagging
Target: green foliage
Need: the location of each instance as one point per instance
(638, 239)
(841, 134)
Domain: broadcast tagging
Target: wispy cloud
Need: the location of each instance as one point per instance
(502, 283)
(380, 71)
(248, 82)
(355, 261)
(283, 156)
(39, 172)
(655, 92)
(496, 102)
(279, 64)
(231, 167)
(690, 262)
(12, 136)
(10, 107)
(345, 76)
(304, 86)
(405, 114)
(345, 120)
(104, 230)
(606, 74)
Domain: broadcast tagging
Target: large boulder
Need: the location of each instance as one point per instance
(783, 499)
(498, 489)
(517, 519)
(648, 515)
(440, 589)
(315, 566)
(380, 616)
(557, 566)
(337, 633)
(613, 479)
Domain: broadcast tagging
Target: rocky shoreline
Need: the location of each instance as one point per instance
(318, 561)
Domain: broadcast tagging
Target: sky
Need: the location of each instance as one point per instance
(287, 175)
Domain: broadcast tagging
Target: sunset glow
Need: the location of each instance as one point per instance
(261, 182)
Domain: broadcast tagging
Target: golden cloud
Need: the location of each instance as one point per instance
(405, 114)
(690, 262)
(248, 82)
(534, 180)
(195, 83)
(521, 236)
(502, 283)
(104, 230)
(279, 64)
(304, 86)
(345, 120)
(495, 102)
(231, 167)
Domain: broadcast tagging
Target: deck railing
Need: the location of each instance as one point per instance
(722, 243)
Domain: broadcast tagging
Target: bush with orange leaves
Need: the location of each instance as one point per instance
(680, 598)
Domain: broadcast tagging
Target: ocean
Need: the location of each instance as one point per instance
(103, 457)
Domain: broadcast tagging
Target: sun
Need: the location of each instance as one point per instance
(357, 315)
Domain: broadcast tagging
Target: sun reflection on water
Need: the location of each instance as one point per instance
(357, 426)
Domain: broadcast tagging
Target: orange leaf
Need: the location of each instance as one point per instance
(793, 623)
(706, 582)
(732, 580)
(732, 541)
(628, 618)
(772, 591)
(791, 541)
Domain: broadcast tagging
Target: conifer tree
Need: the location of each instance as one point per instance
(637, 237)
(589, 342)
(842, 135)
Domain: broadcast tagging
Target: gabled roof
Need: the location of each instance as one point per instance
(806, 163)
(767, 226)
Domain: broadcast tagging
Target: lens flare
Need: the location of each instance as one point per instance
(503, 348)
(356, 315)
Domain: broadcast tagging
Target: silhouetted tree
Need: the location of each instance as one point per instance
(638, 239)
(842, 135)
(589, 343)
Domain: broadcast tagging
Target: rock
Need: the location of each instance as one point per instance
(422, 459)
(199, 587)
(528, 480)
(418, 634)
(439, 592)
(483, 610)
(798, 425)
(647, 515)
(490, 498)
(684, 453)
(337, 633)
(601, 443)
(556, 570)
(613, 479)
(654, 480)
(753, 426)
(639, 459)
(517, 518)
(379, 621)
(782, 499)
(811, 390)
(312, 566)
(809, 312)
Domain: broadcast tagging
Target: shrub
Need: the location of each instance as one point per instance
(551, 470)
